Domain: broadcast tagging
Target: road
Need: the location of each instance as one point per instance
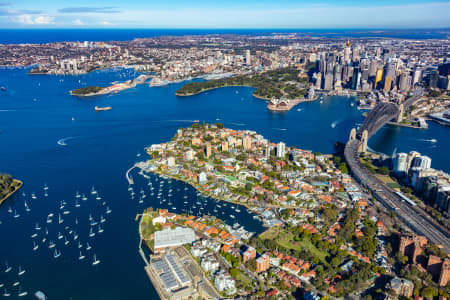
(417, 220)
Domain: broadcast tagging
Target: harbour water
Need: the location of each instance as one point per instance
(49, 137)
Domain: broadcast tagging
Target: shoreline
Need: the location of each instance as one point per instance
(214, 88)
(199, 190)
(20, 184)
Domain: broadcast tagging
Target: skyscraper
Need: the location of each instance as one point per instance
(328, 84)
(247, 57)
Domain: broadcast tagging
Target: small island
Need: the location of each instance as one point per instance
(287, 82)
(8, 186)
(87, 91)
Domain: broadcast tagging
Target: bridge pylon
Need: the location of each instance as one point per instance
(352, 136)
(364, 139)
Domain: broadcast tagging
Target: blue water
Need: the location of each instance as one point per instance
(36, 112)
(15, 36)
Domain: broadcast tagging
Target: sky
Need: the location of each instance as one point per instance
(312, 14)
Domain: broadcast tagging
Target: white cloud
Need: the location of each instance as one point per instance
(78, 22)
(106, 23)
(44, 19)
(30, 19)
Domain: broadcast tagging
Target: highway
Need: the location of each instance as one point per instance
(417, 220)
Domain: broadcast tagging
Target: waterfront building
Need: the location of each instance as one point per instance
(400, 163)
(172, 276)
(189, 155)
(281, 149)
(169, 238)
(249, 254)
(171, 162)
(202, 178)
(328, 83)
(421, 162)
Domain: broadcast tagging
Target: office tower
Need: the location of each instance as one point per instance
(247, 142)
(434, 79)
(417, 76)
(281, 149)
(405, 82)
(373, 66)
(328, 84)
(379, 76)
(247, 57)
(319, 81)
(387, 83)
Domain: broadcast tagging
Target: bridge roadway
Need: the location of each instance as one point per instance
(412, 216)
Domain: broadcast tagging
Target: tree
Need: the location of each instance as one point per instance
(234, 272)
(383, 170)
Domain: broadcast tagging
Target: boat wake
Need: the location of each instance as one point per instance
(5, 110)
(428, 140)
(281, 129)
(335, 123)
(62, 142)
(238, 124)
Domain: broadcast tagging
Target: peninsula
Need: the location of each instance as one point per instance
(8, 186)
(325, 235)
(285, 82)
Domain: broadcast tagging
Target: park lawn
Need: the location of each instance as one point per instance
(243, 279)
(286, 240)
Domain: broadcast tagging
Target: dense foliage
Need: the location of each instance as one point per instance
(283, 82)
(7, 185)
(86, 90)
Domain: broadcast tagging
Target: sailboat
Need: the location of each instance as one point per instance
(10, 209)
(108, 210)
(75, 236)
(93, 191)
(8, 268)
(88, 247)
(77, 195)
(35, 246)
(60, 236)
(21, 272)
(84, 198)
(60, 220)
(81, 257)
(66, 242)
(45, 187)
(91, 233)
(51, 245)
(20, 293)
(6, 294)
(56, 254)
(33, 195)
(37, 227)
(16, 215)
(100, 229)
(96, 261)
(102, 220)
(77, 204)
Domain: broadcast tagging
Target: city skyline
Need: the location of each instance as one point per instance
(233, 14)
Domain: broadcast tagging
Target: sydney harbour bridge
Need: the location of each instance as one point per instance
(414, 217)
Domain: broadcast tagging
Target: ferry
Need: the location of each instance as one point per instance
(102, 108)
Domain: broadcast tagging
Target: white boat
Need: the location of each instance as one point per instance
(66, 242)
(33, 196)
(108, 210)
(60, 236)
(93, 191)
(45, 187)
(16, 283)
(98, 197)
(35, 246)
(34, 235)
(84, 198)
(81, 257)
(60, 221)
(46, 194)
(102, 220)
(21, 272)
(37, 227)
(75, 236)
(20, 293)
(100, 229)
(88, 247)
(66, 212)
(77, 195)
(56, 254)
(77, 204)
(8, 268)
(51, 245)
(6, 294)
(10, 209)
(91, 233)
(16, 215)
(231, 216)
(96, 261)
